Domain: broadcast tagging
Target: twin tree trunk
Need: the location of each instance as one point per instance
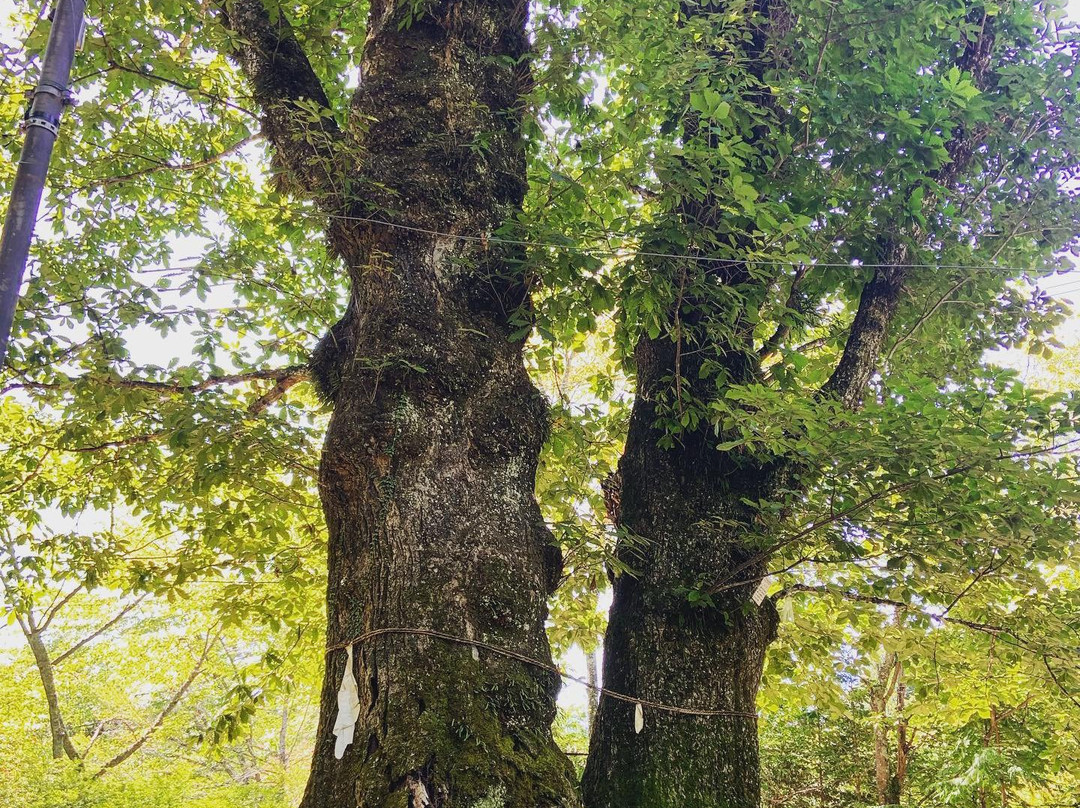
(428, 469)
(705, 655)
(683, 509)
(429, 463)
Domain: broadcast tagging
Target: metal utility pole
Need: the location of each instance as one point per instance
(42, 125)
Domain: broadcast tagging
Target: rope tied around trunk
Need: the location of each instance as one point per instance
(506, 652)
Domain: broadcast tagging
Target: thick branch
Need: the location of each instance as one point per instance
(877, 307)
(975, 60)
(881, 296)
(296, 114)
(282, 386)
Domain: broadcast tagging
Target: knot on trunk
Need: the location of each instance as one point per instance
(334, 351)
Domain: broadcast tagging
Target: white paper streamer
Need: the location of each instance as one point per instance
(348, 702)
(762, 590)
(787, 610)
(639, 718)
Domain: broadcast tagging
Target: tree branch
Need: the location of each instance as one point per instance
(94, 635)
(188, 88)
(61, 743)
(119, 443)
(1057, 681)
(998, 632)
(783, 329)
(978, 577)
(813, 525)
(286, 378)
(173, 702)
(228, 151)
(877, 307)
(926, 315)
(284, 382)
(290, 375)
(881, 296)
(847, 594)
(58, 603)
(296, 114)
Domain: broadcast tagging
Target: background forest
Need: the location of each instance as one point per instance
(163, 546)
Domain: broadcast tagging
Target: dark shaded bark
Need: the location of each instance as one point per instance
(295, 111)
(429, 463)
(877, 307)
(683, 506)
(660, 646)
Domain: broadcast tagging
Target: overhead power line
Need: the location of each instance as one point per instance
(630, 251)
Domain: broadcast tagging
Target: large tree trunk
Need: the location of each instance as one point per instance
(683, 507)
(428, 467)
(663, 647)
(672, 638)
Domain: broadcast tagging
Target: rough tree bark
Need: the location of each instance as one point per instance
(428, 467)
(662, 648)
(686, 508)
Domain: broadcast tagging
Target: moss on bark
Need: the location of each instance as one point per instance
(429, 464)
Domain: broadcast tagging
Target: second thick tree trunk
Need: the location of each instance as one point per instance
(663, 645)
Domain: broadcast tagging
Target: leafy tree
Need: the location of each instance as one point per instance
(134, 692)
(785, 233)
(822, 193)
(429, 462)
